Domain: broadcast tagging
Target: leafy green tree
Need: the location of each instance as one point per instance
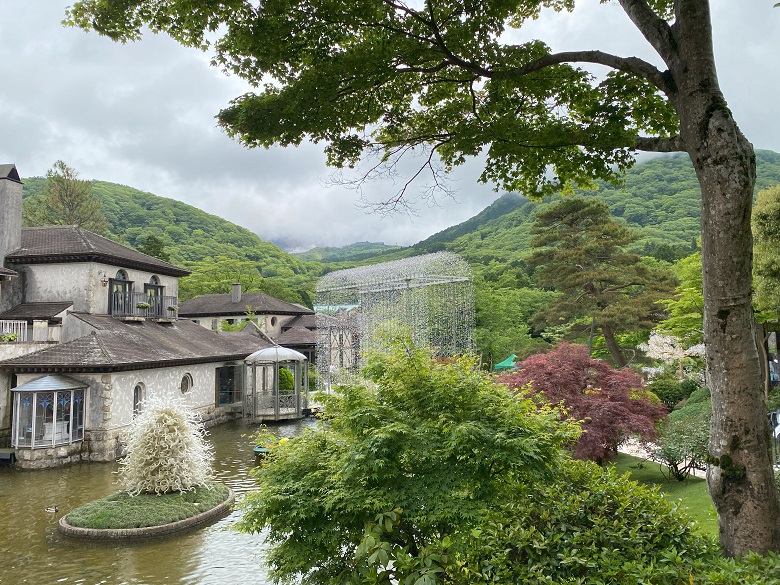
(445, 77)
(217, 275)
(686, 310)
(766, 243)
(441, 443)
(682, 437)
(502, 321)
(154, 246)
(66, 200)
(579, 252)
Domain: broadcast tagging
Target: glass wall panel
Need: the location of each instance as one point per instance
(23, 406)
(78, 415)
(45, 419)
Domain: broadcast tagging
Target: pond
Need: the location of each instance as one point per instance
(34, 552)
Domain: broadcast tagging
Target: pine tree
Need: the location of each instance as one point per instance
(580, 253)
(66, 200)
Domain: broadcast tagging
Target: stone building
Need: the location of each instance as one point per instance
(88, 330)
(284, 323)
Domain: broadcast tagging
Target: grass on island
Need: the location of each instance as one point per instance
(692, 492)
(120, 510)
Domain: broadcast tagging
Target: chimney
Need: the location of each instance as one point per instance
(236, 294)
(10, 211)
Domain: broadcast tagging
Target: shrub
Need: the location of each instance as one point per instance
(441, 442)
(612, 405)
(683, 437)
(588, 526)
(166, 450)
(286, 380)
(668, 391)
(672, 391)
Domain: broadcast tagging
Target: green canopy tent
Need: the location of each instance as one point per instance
(507, 364)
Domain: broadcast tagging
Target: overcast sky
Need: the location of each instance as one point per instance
(143, 115)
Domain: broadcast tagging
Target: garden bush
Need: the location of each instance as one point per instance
(668, 391)
(286, 380)
(612, 405)
(682, 438)
(671, 391)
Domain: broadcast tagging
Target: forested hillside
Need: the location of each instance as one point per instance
(352, 253)
(199, 241)
(659, 198)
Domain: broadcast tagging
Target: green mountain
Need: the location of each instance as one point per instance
(194, 239)
(659, 198)
(353, 252)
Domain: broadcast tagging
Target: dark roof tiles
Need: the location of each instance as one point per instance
(30, 311)
(70, 243)
(260, 303)
(118, 345)
(307, 321)
(297, 336)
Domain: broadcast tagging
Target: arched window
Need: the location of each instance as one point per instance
(154, 296)
(138, 398)
(119, 294)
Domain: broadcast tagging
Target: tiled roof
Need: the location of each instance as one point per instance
(8, 171)
(7, 272)
(30, 311)
(297, 336)
(307, 321)
(117, 345)
(70, 243)
(260, 303)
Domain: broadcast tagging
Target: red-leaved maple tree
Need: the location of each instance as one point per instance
(612, 405)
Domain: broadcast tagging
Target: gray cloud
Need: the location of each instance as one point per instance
(143, 115)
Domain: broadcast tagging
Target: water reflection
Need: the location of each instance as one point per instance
(32, 551)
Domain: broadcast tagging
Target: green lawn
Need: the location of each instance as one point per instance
(692, 491)
(121, 510)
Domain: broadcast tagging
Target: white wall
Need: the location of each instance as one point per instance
(110, 395)
(81, 282)
(164, 382)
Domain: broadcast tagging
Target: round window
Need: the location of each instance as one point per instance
(186, 383)
(273, 321)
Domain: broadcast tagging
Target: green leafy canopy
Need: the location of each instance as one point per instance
(441, 443)
(391, 78)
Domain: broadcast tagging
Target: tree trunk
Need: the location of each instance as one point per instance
(613, 347)
(740, 475)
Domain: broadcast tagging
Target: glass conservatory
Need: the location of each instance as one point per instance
(48, 412)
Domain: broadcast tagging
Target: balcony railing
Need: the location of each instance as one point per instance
(134, 304)
(13, 331)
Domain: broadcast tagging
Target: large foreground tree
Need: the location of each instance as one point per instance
(391, 77)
